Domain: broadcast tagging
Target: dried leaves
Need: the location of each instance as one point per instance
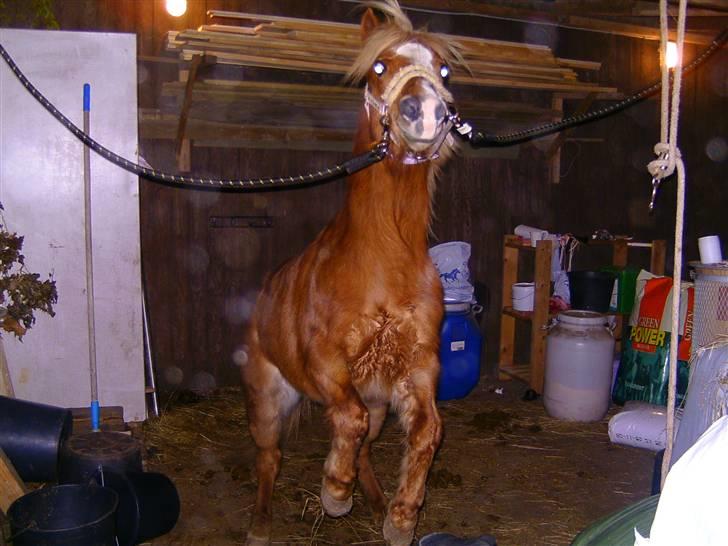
(21, 293)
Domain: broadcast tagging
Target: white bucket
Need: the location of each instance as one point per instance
(523, 296)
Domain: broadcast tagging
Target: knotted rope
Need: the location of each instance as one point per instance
(669, 160)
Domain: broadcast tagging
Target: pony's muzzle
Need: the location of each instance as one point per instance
(422, 118)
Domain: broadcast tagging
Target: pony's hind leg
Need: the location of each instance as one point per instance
(367, 480)
(269, 399)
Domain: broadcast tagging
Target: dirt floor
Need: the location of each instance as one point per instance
(504, 468)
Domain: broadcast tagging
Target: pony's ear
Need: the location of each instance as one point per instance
(369, 22)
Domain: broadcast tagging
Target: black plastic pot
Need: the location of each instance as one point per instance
(83, 454)
(591, 290)
(64, 515)
(31, 435)
(148, 504)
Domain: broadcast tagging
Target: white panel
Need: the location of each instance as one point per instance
(41, 187)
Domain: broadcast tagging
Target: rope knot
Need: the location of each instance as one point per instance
(664, 165)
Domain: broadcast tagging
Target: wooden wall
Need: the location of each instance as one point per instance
(200, 280)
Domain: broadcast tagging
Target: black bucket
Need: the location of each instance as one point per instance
(591, 290)
(148, 504)
(31, 435)
(83, 454)
(64, 515)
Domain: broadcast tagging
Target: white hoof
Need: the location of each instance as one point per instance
(396, 537)
(334, 507)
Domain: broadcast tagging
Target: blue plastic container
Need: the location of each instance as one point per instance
(460, 347)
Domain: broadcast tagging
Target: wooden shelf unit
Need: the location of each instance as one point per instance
(533, 371)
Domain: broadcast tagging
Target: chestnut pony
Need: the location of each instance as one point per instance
(353, 322)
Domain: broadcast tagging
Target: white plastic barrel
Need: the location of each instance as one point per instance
(578, 376)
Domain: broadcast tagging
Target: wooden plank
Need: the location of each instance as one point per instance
(516, 371)
(317, 30)
(554, 151)
(542, 287)
(210, 39)
(583, 65)
(291, 22)
(542, 86)
(507, 322)
(619, 252)
(342, 68)
(111, 418)
(185, 112)
(658, 256)
(164, 128)
(289, 49)
(11, 486)
(277, 44)
(6, 383)
(553, 154)
(267, 61)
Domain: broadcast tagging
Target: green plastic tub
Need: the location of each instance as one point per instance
(617, 529)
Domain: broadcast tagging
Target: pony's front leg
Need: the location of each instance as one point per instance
(415, 402)
(349, 421)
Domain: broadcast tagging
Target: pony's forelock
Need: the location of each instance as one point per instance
(397, 30)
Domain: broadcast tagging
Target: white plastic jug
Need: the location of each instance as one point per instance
(579, 357)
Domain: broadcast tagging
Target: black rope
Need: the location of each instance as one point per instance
(357, 163)
(483, 140)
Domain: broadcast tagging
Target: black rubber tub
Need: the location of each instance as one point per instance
(148, 504)
(31, 435)
(591, 290)
(64, 515)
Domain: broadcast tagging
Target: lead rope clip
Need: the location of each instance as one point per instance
(657, 180)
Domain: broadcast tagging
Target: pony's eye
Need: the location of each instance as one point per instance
(379, 68)
(445, 72)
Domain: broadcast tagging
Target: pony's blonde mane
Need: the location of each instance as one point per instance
(398, 30)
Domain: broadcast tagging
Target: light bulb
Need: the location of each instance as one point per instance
(176, 7)
(671, 56)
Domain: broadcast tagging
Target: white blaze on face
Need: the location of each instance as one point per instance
(427, 127)
(417, 53)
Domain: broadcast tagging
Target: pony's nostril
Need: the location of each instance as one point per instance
(410, 108)
(440, 112)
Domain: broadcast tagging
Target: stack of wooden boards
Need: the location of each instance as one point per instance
(327, 112)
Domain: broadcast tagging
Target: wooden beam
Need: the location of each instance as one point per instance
(11, 486)
(553, 154)
(619, 252)
(508, 323)
(657, 257)
(540, 317)
(554, 151)
(180, 151)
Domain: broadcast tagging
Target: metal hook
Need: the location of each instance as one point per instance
(656, 181)
(655, 186)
